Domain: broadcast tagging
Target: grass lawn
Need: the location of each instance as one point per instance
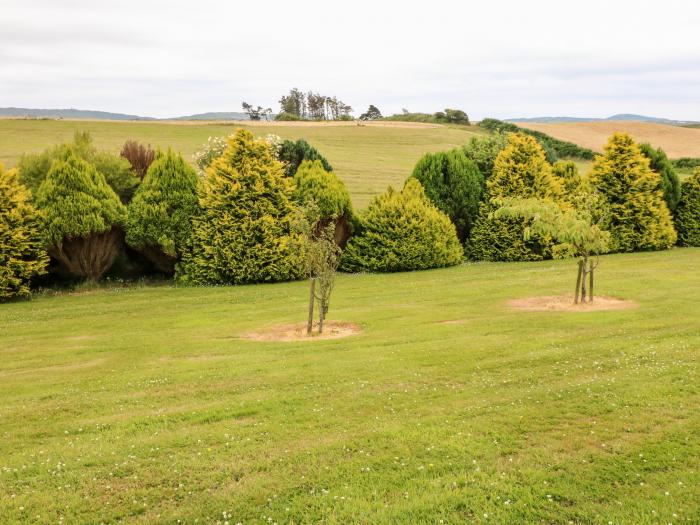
(145, 404)
(367, 157)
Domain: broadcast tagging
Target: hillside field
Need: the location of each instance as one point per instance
(677, 141)
(367, 156)
(147, 404)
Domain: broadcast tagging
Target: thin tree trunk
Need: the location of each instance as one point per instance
(312, 299)
(590, 283)
(584, 264)
(321, 317)
(578, 281)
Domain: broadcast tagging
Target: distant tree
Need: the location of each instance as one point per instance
(139, 156)
(256, 113)
(117, 171)
(400, 231)
(22, 254)
(452, 116)
(316, 106)
(372, 113)
(484, 149)
(575, 228)
(81, 216)
(160, 214)
(688, 212)
(243, 233)
(294, 103)
(639, 217)
(454, 184)
(322, 257)
(327, 193)
(293, 153)
(660, 163)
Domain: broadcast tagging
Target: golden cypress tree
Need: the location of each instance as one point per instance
(639, 217)
(22, 255)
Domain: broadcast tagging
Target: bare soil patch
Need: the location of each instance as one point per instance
(297, 332)
(565, 303)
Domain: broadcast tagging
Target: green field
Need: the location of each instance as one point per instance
(367, 157)
(146, 405)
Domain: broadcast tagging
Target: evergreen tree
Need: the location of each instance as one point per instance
(639, 217)
(402, 231)
(688, 212)
(159, 220)
(22, 254)
(293, 153)
(454, 184)
(660, 163)
(483, 150)
(244, 232)
(82, 217)
(520, 171)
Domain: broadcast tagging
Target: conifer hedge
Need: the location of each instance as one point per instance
(243, 233)
(688, 212)
(160, 214)
(82, 217)
(401, 231)
(22, 254)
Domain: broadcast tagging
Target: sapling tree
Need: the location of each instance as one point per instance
(578, 228)
(322, 258)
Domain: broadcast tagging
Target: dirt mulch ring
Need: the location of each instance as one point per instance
(297, 332)
(565, 303)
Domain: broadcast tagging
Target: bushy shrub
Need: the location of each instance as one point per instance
(140, 157)
(284, 116)
(688, 212)
(159, 219)
(639, 217)
(454, 184)
(293, 153)
(81, 217)
(402, 230)
(116, 170)
(659, 163)
(327, 191)
(520, 171)
(209, 152)
(568, 175)
(243, 232)
(22, 254)
(483, 150)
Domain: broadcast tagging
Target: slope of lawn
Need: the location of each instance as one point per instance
(367, 156)
(146, 404)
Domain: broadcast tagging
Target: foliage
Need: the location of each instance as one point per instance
(483, 150)
(22, 254)
(116, 170)
(293, 153)
(256, 113)
(560, 148)
(402, 231)
(568, 175)
(449, 116)
(139, 156)
(520, 171)
(639, 217)
(454, 184)
(575, 228)
(243, 233)
(452, 116)
(372, 113)
(298, 105)
(209, 152)
(81, 216)
(159, 219)
(688, 212)
(686, 163)
(284, 116)
(670, 184)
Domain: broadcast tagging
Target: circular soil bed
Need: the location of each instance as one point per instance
(565, 303)
(297, 332)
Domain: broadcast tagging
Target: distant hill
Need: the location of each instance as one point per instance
(106, 115)
(624, 117)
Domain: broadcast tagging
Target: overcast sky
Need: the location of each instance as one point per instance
(507, 58)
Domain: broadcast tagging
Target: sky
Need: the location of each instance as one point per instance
(499, 58)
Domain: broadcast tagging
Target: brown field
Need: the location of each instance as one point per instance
(675, 140)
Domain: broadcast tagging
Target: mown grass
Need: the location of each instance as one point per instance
(145, 404)
(368, 157)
